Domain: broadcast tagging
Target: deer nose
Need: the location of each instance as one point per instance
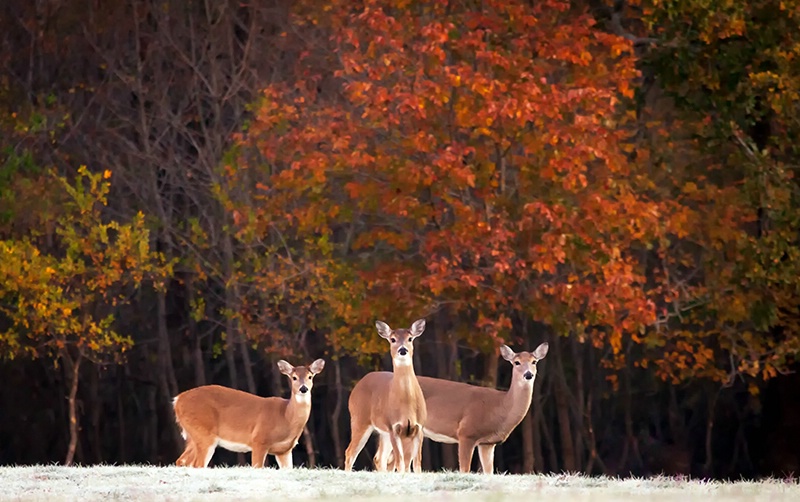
(528, 375)
(402, 351)
(303, 389)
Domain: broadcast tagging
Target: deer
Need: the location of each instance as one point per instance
(470, 415)
(213, 415)
(390, 403)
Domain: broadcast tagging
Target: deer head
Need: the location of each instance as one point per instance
(524, 362)
(302, 377)
(401, 341)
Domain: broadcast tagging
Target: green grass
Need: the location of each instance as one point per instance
(108, 483)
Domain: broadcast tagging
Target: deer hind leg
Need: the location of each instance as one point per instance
(285, 460)
(486, 454)
(417, 449)
(359, 434)
(204, 450)
(411, 441)
(466, 448)
(188, 455)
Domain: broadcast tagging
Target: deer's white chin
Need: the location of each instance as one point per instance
(303, 398)
(402, 360)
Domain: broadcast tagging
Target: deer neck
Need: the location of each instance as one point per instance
(517, 400)
(298, 409)
(404, 377)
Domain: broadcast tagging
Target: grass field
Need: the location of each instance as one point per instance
(244, 483)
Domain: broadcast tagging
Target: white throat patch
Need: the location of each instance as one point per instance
(403, 360)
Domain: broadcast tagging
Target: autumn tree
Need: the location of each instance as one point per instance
(59, 301)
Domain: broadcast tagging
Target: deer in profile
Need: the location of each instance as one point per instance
(212, 415)
(470, 415)
(390, 403)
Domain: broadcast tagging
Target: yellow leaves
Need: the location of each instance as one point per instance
(106, 174)
(57, 296)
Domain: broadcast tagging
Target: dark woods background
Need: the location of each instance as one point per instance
(155, 92)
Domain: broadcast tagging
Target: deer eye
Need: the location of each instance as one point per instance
(516, 363)
(393, 340)
(294, 378)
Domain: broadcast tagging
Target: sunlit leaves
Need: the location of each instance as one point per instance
(64, 296)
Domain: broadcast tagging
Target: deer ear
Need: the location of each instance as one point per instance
(317, 366)
(285, 367)
(383, 329)
(507, 353)
(541, 351)
(418, 327)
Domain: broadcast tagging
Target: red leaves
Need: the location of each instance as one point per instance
(480, 161)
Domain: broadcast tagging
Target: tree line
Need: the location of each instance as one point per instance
(191, 191)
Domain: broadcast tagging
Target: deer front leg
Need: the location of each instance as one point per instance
(486, 454)
(397, 449)
(285, 460)
(382, 456)
(259, 456)
(465, 449)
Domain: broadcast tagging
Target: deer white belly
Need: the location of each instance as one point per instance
(439, 438)
(233, 446)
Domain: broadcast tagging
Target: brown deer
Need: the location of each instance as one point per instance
(472, 416)
(212, 415)
(390, 403)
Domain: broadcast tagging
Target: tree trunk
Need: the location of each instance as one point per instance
(538, 416)
(580, 411)
(96, 446)
(308, 441)
(73, 372)
(123, 436)
(337, 412)
(712, 405)
(445, 368)
(490, 379)
(197, 348)
(231, 332)
(528, 458)
(248, 365)
(562, 410)
(551, 447)
(166, 371)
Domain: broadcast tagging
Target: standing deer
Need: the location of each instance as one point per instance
(212, 415)
(477, 416)
(390, 403)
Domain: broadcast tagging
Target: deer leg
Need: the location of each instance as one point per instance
(486, 454)
(285, 460)
(418, 439)
(466, 448)
(204, 452)
(258, 457)
(397, 449)
(359, 434)
(382, 456)
(187, 457)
